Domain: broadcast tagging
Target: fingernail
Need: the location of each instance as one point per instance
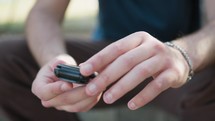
(92, 88)
(108, 98)
(87, 69)
(132, 106)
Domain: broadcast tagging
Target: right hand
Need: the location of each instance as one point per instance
(59, 94)
(126, 63)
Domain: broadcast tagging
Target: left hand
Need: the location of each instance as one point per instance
(62, 95)
(130, 61)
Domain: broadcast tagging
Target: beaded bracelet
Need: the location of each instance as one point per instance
(186, 57)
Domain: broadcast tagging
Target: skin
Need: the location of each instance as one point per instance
(47, 46)
(133, 59)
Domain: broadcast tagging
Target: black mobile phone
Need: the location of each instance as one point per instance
(72, 74)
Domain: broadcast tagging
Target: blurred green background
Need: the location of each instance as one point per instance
(79, 20)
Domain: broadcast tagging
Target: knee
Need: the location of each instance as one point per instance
(15, 56)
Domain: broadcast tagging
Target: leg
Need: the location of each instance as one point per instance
(17, 71)
(195, 101)
(198, 103)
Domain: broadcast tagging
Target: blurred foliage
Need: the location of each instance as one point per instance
(80, 17)
(13, 14)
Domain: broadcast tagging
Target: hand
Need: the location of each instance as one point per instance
(60, 94)
(131, 60)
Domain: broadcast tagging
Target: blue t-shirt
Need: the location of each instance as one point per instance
(164, 19)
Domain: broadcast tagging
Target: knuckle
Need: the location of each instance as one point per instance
(176, 72)
(56, 90)
(40, 95)
(118, 91)
(98, 59)
(159, 47)
(38, 92)
(166, 82)
(118, 47)
(168, 62)
(143, 35)
(142, 70)
(141, 99)
(102, 82)
(158, 86)
(106, 80)
(127, 60)
(66, 99)
(176, 81)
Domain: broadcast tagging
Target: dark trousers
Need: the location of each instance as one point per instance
(195, 101)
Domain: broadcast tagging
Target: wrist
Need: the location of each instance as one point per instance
(185, 56)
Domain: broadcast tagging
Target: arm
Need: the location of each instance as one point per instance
(47, 45)
(43, 30)
(139, 56)
(200, 45)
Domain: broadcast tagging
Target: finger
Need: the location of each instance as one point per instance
(118, 68)
(46, 73)
(111, 52)
(70, 97)
(152, 90)
(46, 88)
(54, 89)
(133, 78)
(46, 85)
(81, 106)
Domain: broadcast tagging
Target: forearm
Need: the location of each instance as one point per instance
(44, 37)
(43, 30)
(200, 46)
